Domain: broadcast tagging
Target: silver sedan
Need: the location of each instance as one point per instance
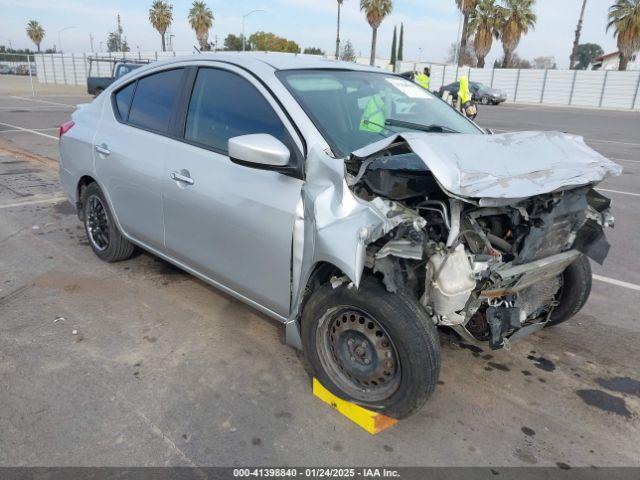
(346, 202)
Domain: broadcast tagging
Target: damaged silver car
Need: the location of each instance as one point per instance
(348, 203)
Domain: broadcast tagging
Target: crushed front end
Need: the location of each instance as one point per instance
(491, 269)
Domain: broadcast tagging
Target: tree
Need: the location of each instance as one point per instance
(233, 43)
(116, 42)
(516, 18)
(586, 53)
(467, 55)
(161, 16)
(624, 17)
(394, 47)
(401, 44)
(269, 42)
(36, 32)
(576, 41)
(348, 54)
(544, 63)
(484, 23)
(201, 20)
(313, 51)
(517, 62)
(466, 7)
(375, 11)
(340, 2)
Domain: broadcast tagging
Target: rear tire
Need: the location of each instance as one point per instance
(575, 290)
(105, 239)
(371, 347)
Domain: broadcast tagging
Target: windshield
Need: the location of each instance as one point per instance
(353, 109)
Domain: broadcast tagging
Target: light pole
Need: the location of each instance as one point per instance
(243, 18)
(59, 37)
(10, 45)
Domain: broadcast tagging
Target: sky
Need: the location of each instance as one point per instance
(431, 26)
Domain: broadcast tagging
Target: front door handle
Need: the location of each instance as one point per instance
(179, 177)
(103, 149)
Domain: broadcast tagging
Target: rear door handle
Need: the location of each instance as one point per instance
(179, 177)
(103, 149)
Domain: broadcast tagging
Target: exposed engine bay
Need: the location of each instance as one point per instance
(489, 270)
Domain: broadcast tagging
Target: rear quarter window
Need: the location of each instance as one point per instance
(123, 101)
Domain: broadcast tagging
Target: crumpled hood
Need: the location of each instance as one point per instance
(504, 166)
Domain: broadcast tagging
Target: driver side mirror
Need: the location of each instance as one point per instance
(259, 150)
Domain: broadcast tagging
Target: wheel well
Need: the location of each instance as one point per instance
(83, 183)
(321, 274)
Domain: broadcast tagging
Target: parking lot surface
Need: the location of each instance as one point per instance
(139, 364)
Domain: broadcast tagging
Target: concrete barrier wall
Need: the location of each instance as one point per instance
(583, 88)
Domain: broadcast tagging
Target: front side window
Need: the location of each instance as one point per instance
(224, 105)
(353, 109)
(153, 100)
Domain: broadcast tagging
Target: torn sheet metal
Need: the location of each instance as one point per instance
(504, 166)
(333, 225)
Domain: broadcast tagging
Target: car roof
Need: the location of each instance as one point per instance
(275, 60)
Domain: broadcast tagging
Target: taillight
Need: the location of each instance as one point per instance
(65, 127)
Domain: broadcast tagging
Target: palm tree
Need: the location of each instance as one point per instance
(201, 20)
(466, 7)
(340, 2)
(624, 17)
(484, 23)
(375, 10)
(576, 40)
(35, 31)
(161, 16)
(516, 18)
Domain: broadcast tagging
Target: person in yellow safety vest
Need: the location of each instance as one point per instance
(464, 94)
(374, 115)
(423, 78)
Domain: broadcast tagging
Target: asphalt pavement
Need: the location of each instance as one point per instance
(139, 364)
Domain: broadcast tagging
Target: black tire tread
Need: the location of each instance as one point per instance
(119, 247)
(575, 292)
(420, 338)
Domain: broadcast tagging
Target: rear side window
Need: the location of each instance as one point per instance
(123, 101)
(153, 100)
(224, 105)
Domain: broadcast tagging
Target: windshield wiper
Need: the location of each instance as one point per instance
(384, 127)
(418, 126)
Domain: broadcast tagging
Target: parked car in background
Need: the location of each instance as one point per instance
(5, 70)
(23, 69)
(480, 92)
(348, 203)
(97, 83)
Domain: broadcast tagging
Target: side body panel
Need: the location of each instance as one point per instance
(131, 177)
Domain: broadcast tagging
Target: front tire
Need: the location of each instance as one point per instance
(484, 100)
(574, 292)
(102, 232)
(374, 348)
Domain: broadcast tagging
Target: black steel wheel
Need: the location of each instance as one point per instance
(102, 232)
(371, 347)
(358, 354)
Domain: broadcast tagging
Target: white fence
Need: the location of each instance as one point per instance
(582, 88)
(585, 88)
(73, 69)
